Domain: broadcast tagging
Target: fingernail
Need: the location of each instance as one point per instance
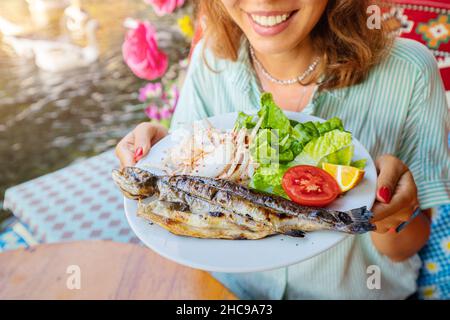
(392, 230)
(138, 153)
(385, 194)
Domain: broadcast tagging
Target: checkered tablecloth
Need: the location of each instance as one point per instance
(78, 202)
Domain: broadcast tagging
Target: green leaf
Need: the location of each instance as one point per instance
(311, 127)
(360, 164)
(285, 143)
(307, 131)
(329, 125)
(293, 122)
(296, 147)
(304, 133)
(268, 179)
(319, 148)
(273, 116)
(262, 149)
(244, 121)
(286, 156)
(341, 157)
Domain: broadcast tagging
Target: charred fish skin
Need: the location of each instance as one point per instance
(202, 207)
(184, 224)
(284, 215)
(356, 221)
(238, 210)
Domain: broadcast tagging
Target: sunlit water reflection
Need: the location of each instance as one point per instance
(48, 121)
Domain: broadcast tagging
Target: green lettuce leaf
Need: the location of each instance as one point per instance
(319, 148)
(267, 148)
(273, 116)
(268, 179)
(305, 132)
(261, 148)
(329, 125)
(341, 157)
(286, 156)
(360, 164)
(244, 121)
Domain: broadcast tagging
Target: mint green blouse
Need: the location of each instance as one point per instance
(400, 109)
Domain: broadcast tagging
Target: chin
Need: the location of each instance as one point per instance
(284, 41)
(273, 46)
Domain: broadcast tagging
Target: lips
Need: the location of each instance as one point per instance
(270, 23)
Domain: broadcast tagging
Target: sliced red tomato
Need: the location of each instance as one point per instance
(310, 186)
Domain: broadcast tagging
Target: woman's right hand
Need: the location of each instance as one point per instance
(138, 142)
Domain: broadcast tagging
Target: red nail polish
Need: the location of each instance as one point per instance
(138, 153)
(385, 194)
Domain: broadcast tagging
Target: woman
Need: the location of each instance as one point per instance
(319, 57)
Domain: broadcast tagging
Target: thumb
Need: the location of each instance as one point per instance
(146, 134)
(143, 135)
(124, 150)
(390, 171)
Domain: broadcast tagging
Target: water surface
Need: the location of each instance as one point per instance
(48, 120)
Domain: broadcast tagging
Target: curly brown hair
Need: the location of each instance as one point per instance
(350, 49)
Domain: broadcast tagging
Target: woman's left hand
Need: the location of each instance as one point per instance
(396, 194)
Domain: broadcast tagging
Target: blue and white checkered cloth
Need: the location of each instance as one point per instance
(434, 279)
(15, 236)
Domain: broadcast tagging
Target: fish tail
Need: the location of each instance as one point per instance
(357, 221)
(354, 221)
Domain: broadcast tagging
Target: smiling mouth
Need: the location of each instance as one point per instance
(271, 20)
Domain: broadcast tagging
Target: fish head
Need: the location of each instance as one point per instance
(135, 183)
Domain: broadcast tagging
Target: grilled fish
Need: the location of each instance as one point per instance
(216, 208)
(185, 223)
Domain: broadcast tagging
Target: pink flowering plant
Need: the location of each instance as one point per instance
(163, 7)
(141, 52)
(159, 101)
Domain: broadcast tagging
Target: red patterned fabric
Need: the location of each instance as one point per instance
(427, 22)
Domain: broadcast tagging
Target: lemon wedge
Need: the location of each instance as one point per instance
(347, 177)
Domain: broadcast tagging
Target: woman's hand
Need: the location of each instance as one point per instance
(138, 142)
(396, 194)
(396, 201)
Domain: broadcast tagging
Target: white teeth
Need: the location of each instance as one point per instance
(264, 20)
(269, 21)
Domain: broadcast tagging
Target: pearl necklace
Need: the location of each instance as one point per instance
(298, 79)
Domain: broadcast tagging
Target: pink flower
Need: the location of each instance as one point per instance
(175, 94)
(152, 111)
(163, 7)
(150, 90)
(166, 113)
(141, 53)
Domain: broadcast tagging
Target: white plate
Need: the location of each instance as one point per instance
(247, 255)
